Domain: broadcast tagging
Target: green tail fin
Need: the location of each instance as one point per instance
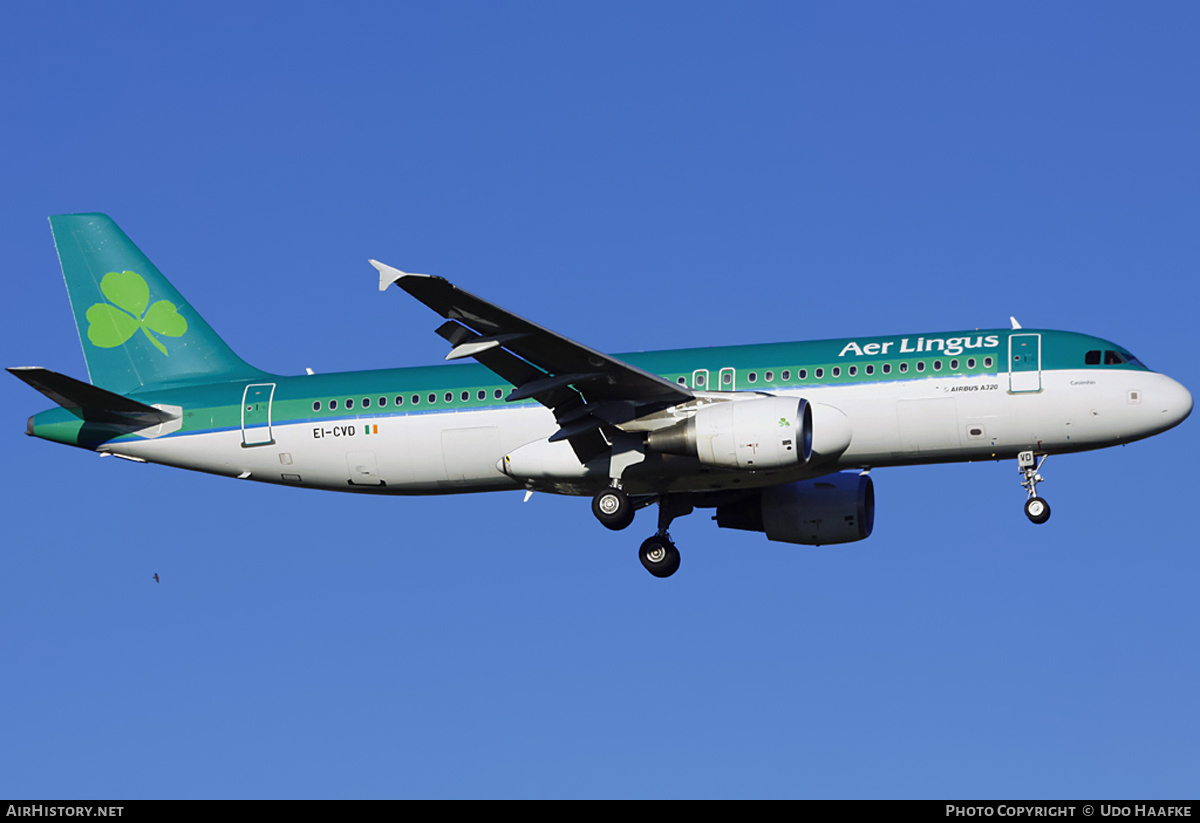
(136, 330)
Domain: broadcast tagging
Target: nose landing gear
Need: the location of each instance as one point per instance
(1036, 509)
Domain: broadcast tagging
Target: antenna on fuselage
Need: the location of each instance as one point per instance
(1016, 325)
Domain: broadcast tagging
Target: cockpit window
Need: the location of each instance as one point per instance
(1112, 357)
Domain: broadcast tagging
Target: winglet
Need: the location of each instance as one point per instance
(389, 275)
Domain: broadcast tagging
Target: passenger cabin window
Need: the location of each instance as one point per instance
(317, 406)
(350, 404)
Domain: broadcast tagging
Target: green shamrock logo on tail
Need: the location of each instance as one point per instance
(110, 326)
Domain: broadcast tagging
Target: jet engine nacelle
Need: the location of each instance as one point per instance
(832, 432)
(837, 508)
(763, 433)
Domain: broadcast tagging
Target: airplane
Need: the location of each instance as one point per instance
(777, 438)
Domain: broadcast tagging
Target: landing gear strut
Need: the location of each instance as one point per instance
(658, 554)
(1036, 509)
(615, 510)
(612, 506)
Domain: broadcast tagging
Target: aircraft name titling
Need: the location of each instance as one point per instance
(943, 345)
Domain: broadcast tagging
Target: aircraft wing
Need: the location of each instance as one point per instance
(585, 389)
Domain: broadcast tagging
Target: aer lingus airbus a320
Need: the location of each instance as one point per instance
(776, 438)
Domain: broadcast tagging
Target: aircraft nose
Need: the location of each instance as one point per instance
(1173, 402)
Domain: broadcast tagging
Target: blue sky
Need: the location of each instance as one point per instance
(636, 176)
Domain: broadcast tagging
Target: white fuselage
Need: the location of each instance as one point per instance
(893, 422)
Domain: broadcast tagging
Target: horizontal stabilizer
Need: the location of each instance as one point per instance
(90, 402)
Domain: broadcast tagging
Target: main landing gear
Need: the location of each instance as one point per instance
(658, 554)
(613, 508)
(1036, 509)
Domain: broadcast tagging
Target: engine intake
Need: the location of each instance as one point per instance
(763, 433)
